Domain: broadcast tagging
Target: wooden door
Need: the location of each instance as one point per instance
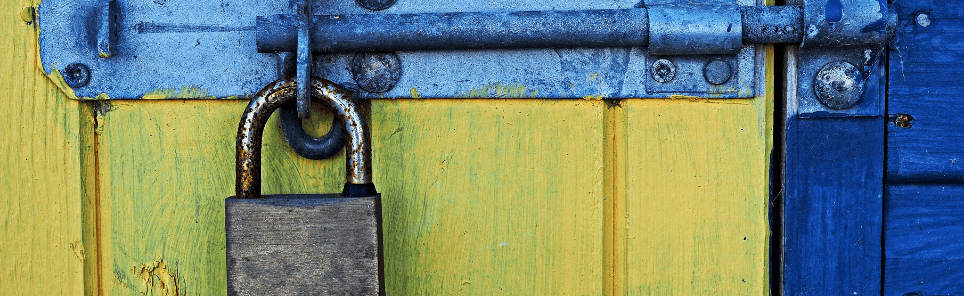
(924, 189)
(481, 196)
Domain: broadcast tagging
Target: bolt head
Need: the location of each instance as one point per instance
(76, 75)
(838, 85)
(663, 71)
(717, 72)
(376, 72)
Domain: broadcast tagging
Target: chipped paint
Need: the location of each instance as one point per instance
(414, 93)
(498, 90)
(154, 276)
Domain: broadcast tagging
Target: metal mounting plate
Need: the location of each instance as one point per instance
(207, 49)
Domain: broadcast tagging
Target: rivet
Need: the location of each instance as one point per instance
(838, 85)
(923, 20)
(376, 72)
(663, 71)
(717, 72)
(376, 4)
(76, 75)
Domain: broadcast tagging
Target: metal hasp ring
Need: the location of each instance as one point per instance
(251, 128)
(304, 144)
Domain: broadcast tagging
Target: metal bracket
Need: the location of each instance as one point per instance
(839, 70)
(423, 48)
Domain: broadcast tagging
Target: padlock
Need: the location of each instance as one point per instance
(305, 244)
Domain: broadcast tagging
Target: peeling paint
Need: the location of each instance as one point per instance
(415, 94)
(498, 90)
(156, 279)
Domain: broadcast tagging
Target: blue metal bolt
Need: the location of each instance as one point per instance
(76, 75)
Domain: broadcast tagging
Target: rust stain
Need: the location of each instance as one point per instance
(155, 276)
(903, 120)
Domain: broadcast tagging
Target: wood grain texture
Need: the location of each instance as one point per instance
(926, 66)
(491, 197)
(834, 184)
(696, 197)
(480, 196)
(42, 251)
(924, 239)
(303, 244)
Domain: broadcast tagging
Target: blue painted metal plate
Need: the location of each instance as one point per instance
(207, 49)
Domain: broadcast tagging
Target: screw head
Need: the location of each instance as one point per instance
(717, 72)
(76, 75)
(376, 72)
(663, 71)
(838, 85)
(376, 4)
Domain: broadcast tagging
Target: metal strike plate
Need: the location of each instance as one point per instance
(303, 245)
(208, 49)
(840, 71)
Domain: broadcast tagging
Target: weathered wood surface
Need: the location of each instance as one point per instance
(833, 205)
(305, 244)
(924, 239)
(481, 197)
(42, 173)
(926, 66)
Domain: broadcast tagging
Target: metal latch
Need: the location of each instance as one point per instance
(133, 49)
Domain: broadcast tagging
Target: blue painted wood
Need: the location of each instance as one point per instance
(924, 239)
(833, 205)
(926, 70)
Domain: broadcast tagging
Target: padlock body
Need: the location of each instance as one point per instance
(313, 244)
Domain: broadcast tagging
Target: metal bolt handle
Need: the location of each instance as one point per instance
(270, 98)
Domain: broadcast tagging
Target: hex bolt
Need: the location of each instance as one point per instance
(717, 72)
(76, 75)
(923, 20)
(376, 72)
(838, 85)
(663, 71)
(376, 4)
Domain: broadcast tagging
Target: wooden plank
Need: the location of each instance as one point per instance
(479, 196)
(834, 184)
(925, 68)
(43, 249)
(485, 197)
(696, 196)
(924, 239)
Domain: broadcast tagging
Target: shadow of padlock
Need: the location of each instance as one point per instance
(303, 244)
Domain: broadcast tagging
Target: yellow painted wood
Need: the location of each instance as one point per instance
(480, 196)
(694, 211)
(42, 249)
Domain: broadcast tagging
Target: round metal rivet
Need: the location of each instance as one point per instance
(76, 75)
(663, 71)
(923, 20)
(376, 4)
(376, 72)
(838, 85)
(717, 72)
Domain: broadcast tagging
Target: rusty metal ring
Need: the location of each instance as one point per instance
(273, 96)
(305, 145)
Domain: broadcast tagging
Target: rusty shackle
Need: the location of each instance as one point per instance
(358, 149)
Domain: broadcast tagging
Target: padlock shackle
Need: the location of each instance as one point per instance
(272, 97)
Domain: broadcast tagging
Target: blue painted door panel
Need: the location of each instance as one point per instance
(924, 200)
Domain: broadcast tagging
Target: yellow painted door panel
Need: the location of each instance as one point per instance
(479, 196)
(42, 249)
